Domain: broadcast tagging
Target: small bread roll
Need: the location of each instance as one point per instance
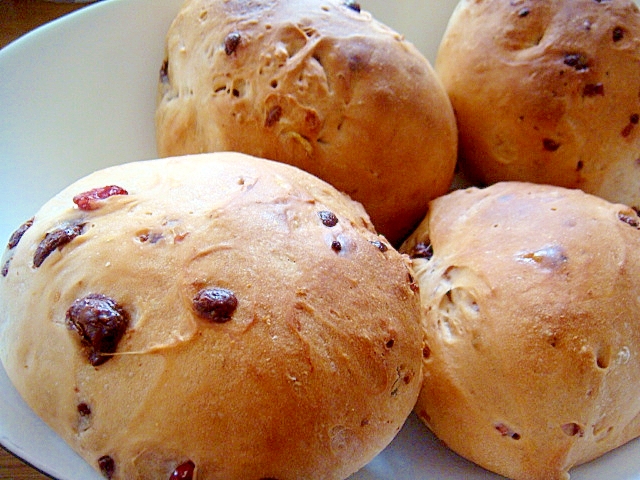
(219, 316)
(547, 92)
(530, 300)
(316, 84)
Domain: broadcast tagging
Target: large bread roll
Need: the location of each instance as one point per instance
(530, 300)
(223, 310)
(547, 92)
(317, 84)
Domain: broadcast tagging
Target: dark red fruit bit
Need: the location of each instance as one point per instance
(100, 322)
(629, 220)
(353, 5)
(55, 240)
(426, 352)
(633, 121)
(422, 250)
(550, 145)
(107, 466)
(328, 218)
(231, 42)
(164, 72)
(593, 89)
(17, 235)
(576, 60)
(356, 63)
(184, 471)
(91, 200)
(507, 432)
(524, 12)
(273, 116)
(379, 245)
(5, 267)
(215, 304)
(336, 246)
(618, 34)
(84, 409)
(626, 131)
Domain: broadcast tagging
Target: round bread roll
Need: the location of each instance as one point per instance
(318, 84)
(220, 314)
(547, 92)
(530, 299)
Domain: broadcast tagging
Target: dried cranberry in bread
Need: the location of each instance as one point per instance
(547, 92)
(220, 314)
(318, 84)
(530, 300)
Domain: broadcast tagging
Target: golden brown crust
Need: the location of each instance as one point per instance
(314, 373)
(315, 84)
(547, 92)
(530, 305)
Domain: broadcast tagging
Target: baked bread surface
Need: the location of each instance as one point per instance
(309, 375)
(547, 92)
(317, 84)
(530, 300)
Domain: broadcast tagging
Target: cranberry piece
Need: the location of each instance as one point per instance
(56, 240)
(17, 235)
(231, 42)
(356, 63)
(164, 72)
(5, 268)
(379, 245)
(215, 304)
(626, 131)
(336, 246)
(328, 218)
(631, 221)
(576, 60)
(426, 352)
(593, 89)
(550, 145)
(90, 200)
(353, 5)
(100, 322)
(618, 34)
(107, 466)
(422, 250)
(184, 471)
(273, 116)
(84, 409)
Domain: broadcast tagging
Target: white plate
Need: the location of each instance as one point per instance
(79, 94)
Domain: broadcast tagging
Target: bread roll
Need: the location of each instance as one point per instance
(316, 84)
(220, 313)
(547, 92)
(530, 300)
